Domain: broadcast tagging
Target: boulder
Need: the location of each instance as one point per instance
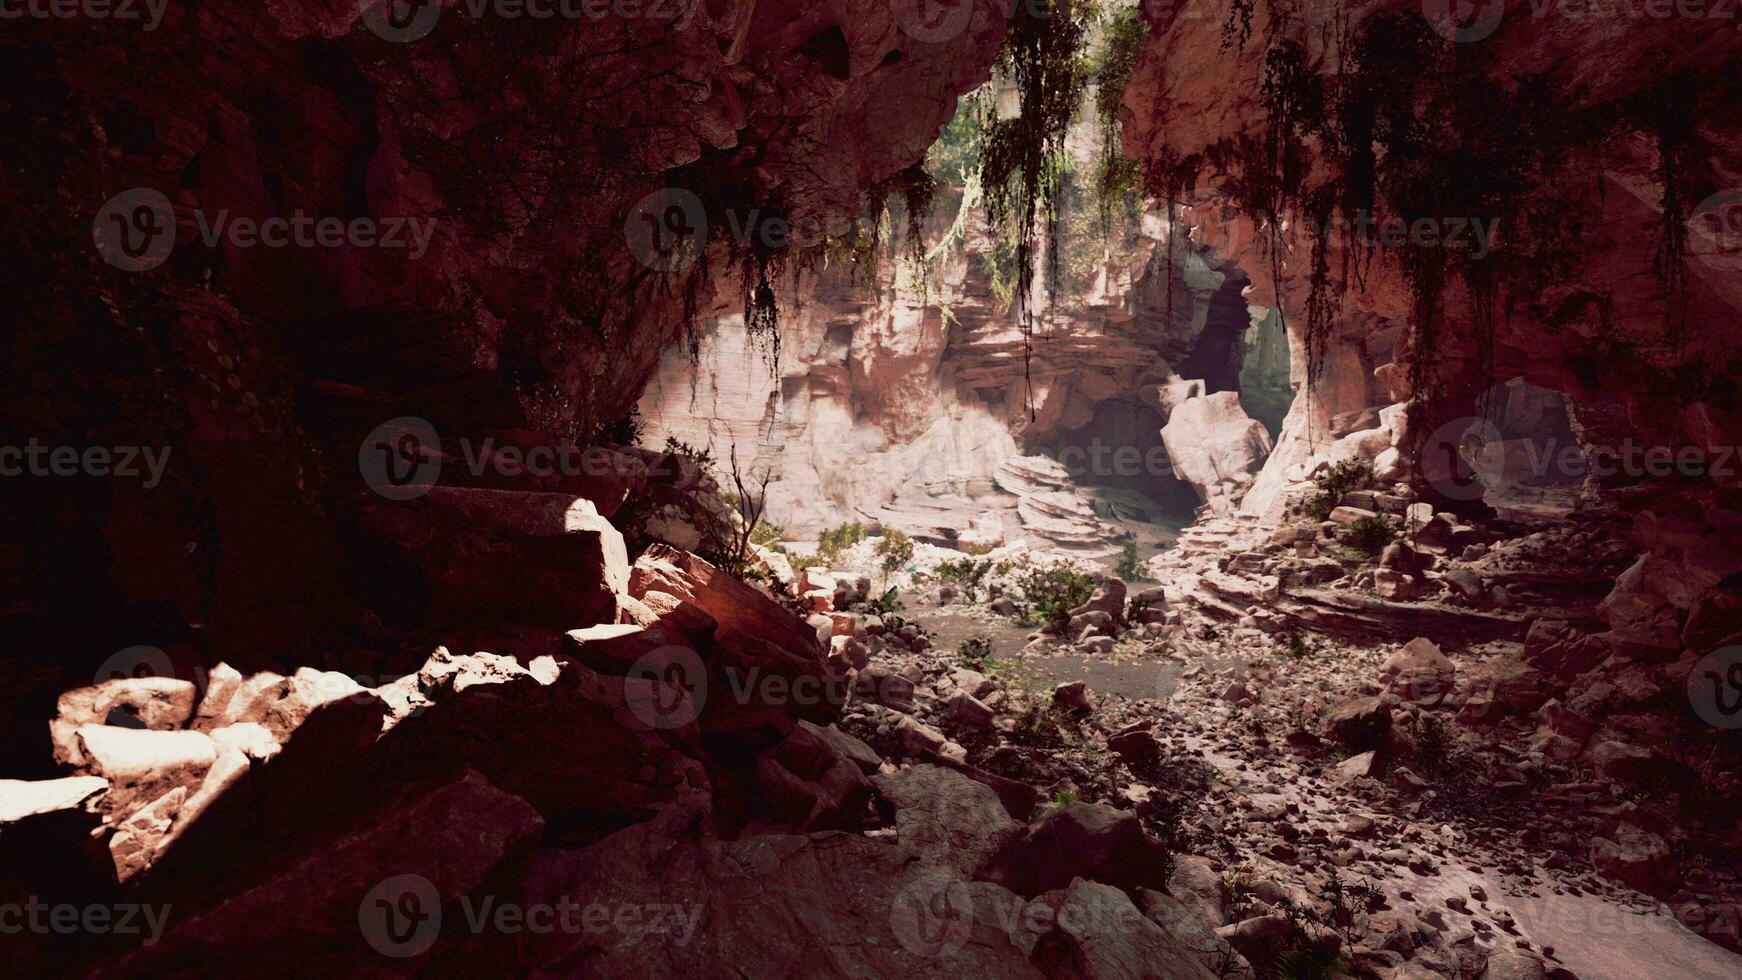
(969, 710)
(1108, 598)
(1071, 696)
(1357, 767)
(809, 782)
(1079, 840)
(281, 704)
(1622, 761)
(157, 703)
(946, 818)
(1213, 445)
(466, 555)
(1557, 648)
(141, 764)
(1257, 939)
(1188, 931)
(1359, 724)
(20, 799)
(823, 905)
(1636, 857)
(376, 888)
(846, 746)
(1419, 672)
(1138, 747)
(1199, 888)
(1512, 964)
(1100, 935)
(139, 834)
(590, 752)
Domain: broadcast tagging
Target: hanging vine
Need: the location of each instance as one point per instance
(1021, 159)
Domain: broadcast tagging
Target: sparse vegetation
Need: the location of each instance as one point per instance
(975, 651)
(895, 549)
(1297, 646)
(1050, 593)
(832, 542)
(1333, 483)
(967, 573)
(886, 604)
(1130, 567)
(1370, 535)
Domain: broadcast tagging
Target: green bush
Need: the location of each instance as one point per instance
(1370, 534)
(967, 573)
(1051, 593)
(975, 651)
(1130, 567)
(1350, 474)
(833, 541)
(895, 549)
(885, 605)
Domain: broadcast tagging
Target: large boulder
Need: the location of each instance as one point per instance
(1187, 930)
(1359, 723)
(1099, 935)
(824, 905)
(1080, 840)
(811, 781)
(1109, 598)
(1215, 446)
(156, 703)
(1419, 672)
(1636, 857)
(374, 893)
(141, 764)
(591, 752)
(21, 799)
(733, 605)
(947, 818)
(458, 555)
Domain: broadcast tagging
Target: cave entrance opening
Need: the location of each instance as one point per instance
(1524, 446)
(1117, 460)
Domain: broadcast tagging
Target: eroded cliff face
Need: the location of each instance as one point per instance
(901, 395)
(1560, 189)
(1568, 173)
(508, 153)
